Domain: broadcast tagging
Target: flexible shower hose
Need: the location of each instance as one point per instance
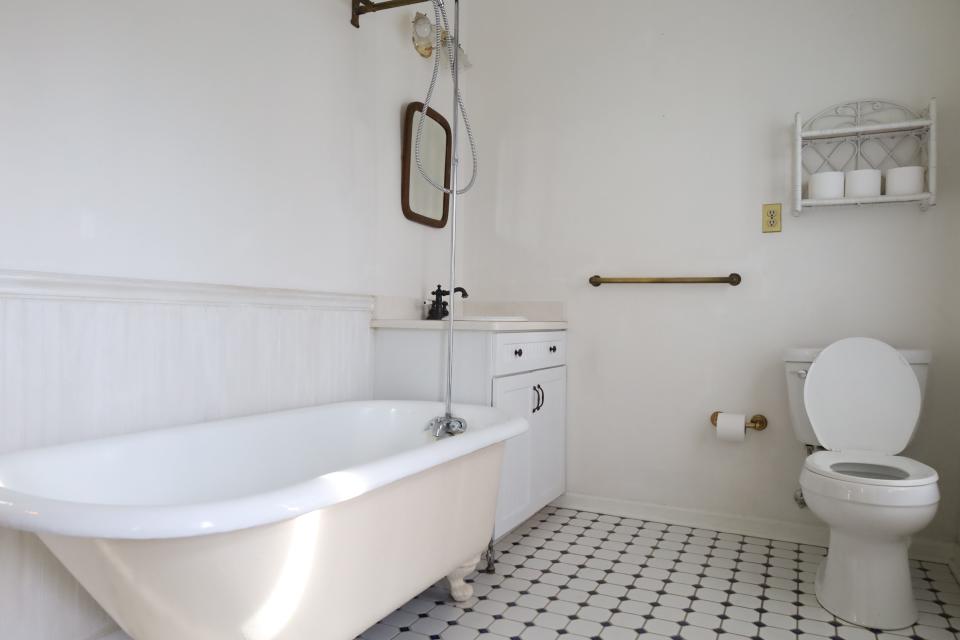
(440, 13)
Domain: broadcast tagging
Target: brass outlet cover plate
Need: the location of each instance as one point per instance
(772, 218)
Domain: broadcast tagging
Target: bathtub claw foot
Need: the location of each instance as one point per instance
(459, 589)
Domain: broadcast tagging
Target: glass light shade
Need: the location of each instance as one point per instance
(423, 35)
(422, 27)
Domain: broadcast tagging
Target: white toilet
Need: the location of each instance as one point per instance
(860, 399)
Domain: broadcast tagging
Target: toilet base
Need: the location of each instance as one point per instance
(867, 582)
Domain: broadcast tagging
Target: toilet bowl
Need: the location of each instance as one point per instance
(863, 401)
(873, 504)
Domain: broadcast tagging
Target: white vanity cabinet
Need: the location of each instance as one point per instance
(522, 372)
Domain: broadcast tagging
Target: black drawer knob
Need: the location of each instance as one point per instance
(553, 349)
(518, 353)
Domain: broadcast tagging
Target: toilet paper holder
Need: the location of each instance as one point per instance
(757, 422)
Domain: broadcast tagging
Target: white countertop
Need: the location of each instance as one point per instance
(471, 325)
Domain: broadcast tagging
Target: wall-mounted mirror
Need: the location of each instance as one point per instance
(420, 201)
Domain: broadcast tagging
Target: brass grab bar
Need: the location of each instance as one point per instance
(733, 280)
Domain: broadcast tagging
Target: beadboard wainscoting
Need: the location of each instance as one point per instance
(84, 357)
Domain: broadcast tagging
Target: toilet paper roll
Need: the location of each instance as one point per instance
(826, 185)
(904, 181)
(730, 427)
(862, 183)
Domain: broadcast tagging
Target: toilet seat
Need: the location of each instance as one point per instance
(862, 395)
(820, 476)
(863, 400)
(866, 467)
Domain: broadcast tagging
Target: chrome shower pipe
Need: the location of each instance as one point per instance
(454, 196)
(449, 424)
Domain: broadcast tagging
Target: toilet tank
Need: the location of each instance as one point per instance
(798, 360)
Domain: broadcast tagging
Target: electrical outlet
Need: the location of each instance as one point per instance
(772, 222)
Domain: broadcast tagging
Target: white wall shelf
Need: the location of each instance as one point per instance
(866, 134)
(833, 202)
(892, 127)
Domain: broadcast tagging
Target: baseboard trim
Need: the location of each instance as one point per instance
(921, 549)
(932, 551)
(955, 561)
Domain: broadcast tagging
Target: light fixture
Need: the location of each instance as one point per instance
(423, 35)
(461, 55)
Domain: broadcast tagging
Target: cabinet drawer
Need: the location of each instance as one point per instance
(517, 352)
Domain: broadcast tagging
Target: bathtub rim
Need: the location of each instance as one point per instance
(38, 514)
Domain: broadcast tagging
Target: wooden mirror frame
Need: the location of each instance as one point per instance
(409, 132)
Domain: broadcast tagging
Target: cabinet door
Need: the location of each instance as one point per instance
(534, 463)
(549, 444)
(516, 396)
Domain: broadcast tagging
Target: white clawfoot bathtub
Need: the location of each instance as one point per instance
(309, 524)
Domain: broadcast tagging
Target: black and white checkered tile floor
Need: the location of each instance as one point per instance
(573, 575)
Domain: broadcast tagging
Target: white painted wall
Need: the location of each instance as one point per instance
(953, 321)
(641, 138)
(240, 142)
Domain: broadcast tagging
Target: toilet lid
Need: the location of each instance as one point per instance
(861, 394)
